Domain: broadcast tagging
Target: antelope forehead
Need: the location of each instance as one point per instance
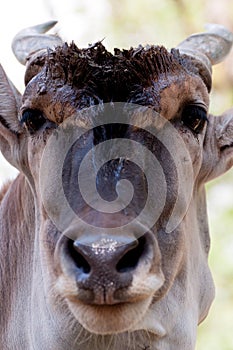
(95, 74)
(182, 91)
(167, 97)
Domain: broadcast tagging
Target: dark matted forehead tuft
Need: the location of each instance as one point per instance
(97, 74)
(106, 73)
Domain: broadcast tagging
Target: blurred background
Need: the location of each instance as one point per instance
(125, 23)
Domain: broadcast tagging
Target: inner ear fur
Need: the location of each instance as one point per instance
(10, 127)
(218, 145)
(10, 102)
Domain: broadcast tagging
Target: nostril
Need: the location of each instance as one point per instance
(78, 258)
(131, 259)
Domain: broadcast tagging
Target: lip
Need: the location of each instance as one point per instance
(109, 319)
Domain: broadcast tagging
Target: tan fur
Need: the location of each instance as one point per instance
(4, 189)
(171, 290)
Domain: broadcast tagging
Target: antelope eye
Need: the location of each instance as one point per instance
(194, 117)
(33, 119)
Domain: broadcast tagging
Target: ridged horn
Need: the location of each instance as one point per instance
(33, 39)
(210, 47)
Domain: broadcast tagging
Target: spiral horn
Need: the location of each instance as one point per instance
(31, 40)
(208, 48)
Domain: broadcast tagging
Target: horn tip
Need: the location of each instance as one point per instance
(44, 27)
(33, 39)
(220, 30)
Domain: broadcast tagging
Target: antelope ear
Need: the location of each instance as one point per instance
(218, 150)
(10, 128)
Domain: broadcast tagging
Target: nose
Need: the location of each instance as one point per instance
(105, 266)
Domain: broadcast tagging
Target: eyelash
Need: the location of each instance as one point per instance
(195, 118)
(33, 119)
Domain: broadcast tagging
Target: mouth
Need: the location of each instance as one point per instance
(109, 319)
(113, 318)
